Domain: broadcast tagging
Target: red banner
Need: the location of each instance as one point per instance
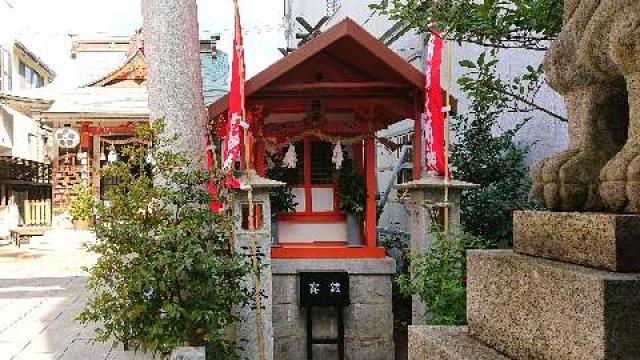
(433, 108)
(235, 118)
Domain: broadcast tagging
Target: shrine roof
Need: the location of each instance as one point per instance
(101, 100)
(359, 56)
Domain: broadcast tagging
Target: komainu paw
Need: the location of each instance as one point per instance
(620, 180)
(568, 181)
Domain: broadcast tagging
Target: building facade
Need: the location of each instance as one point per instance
(20, 68)
(25, 187)
(97, 106)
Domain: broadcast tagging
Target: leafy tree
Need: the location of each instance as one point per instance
(486, 155)
(494, 25)
(166, 275)
(502, 24)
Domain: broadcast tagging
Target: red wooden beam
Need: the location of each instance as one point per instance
(317, 251)
(370, 181)
(332, 86)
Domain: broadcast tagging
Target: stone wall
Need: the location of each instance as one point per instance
(368, 321)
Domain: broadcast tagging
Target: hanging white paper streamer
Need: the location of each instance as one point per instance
(290, 158)
(113, 156)
(337, 157)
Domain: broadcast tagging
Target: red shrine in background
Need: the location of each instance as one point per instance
(342, 86)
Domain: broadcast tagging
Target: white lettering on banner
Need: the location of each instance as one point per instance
(233, 142)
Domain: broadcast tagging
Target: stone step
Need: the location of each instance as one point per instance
(447, 343)
(606, 241)
(532, 308)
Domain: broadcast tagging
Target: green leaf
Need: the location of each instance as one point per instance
(467, 64)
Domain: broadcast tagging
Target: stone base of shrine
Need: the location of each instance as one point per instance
(368, 320)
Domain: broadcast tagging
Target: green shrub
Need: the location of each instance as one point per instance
(439, 277)
(281, 198)
(82, 202)
(351, 189)
(166, 275)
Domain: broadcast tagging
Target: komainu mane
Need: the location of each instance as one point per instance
(595, 65)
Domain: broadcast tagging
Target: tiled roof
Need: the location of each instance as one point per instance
(125, 100)
(116, 100)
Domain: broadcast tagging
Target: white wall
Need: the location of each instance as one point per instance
(25, 135)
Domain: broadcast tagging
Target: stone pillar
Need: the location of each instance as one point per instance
(425, 199)
(172, 54)
(247, 338)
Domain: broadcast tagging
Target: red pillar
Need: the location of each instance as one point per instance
(370, 179)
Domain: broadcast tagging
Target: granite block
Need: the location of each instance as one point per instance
(606, 241)
(447, 343)
(532, 308)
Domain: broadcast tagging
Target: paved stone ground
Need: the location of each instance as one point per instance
(41, 291)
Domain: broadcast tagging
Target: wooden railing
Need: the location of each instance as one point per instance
(37, 213)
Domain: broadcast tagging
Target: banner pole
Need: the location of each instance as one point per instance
(248, 156)
(447, 109)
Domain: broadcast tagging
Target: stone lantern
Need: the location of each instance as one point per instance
(254, 333)
(426, 202)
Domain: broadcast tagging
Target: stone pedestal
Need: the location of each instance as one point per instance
(368, 321)
(248, 335)
(447, 343)
(424, 201)
(606, 241)
(540, 304)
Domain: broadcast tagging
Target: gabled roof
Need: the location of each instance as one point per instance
(135, 68)
(35, 58)
(346, 43)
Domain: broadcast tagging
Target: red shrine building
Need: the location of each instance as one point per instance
(92, 120)
(313, 113)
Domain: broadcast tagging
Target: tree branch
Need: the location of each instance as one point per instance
(530, 103)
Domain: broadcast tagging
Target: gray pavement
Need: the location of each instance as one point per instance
(41, 291)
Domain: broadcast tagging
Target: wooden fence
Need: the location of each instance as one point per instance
(37, 213)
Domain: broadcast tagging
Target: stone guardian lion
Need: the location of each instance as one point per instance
(595, 65)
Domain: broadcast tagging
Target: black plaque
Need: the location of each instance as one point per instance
(324, 289)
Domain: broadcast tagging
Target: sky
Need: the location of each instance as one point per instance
(46, 26)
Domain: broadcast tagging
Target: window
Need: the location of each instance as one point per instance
(32, 141)
(321, 165)
(30, 78)
(332, 7)
(258, 217)
(404, 175)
